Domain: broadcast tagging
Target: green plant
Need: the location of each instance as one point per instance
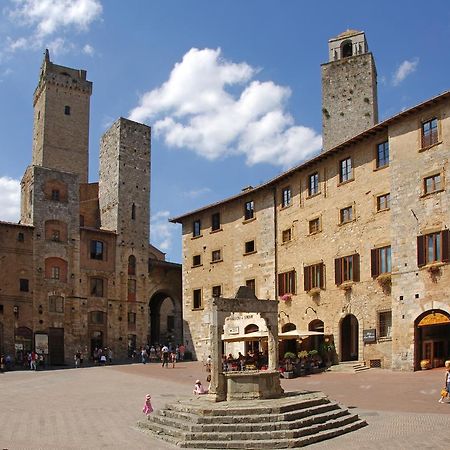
(289, 355)
(302, 354)
(313, 352)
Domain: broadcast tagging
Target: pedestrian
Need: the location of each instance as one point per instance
(173, 358)
(165, 356)
(446, 388)
(181, 349)
(199, 389)
(110, 355)
(148, 408)
(77, 359)
(33, 358)
(143, 355)
(152, 353)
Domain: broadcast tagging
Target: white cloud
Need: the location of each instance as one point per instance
(9, 199)
(161, 230)
(88, 50)
(195, 193)
(193, 109)
(404, 69)
(49, 20)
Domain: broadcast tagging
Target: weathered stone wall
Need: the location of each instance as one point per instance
(349, 98)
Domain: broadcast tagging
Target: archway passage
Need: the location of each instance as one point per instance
(349, 338)
(432, 338)
(165, 320)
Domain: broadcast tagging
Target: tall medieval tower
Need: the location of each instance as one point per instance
(349, 89)
(61, 119)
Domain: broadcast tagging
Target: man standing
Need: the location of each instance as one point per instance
(165, 356)
(181, 349)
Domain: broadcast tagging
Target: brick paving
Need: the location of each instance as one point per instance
(98, 407)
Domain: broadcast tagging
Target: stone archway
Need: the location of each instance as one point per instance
(166, 324)
(432, 337)
(349, 338)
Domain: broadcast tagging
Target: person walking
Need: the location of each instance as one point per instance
(148, 408)
(77, 359)
(33, 358)
(446, 389)
(110, 355)
(165, 356)
(181, 349)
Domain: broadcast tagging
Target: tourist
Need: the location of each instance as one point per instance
(148, 408)
(181, 349)
(199, 389)
(208, 363)
(143, 355)
(110, 355)
(77, 358)
(446, 388)
(152, 353)
(33, 358)
(173, 358)
(165, 356)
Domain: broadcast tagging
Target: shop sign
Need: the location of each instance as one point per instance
(18, 346)
(369, 335)
(41, 343)
(233, 330)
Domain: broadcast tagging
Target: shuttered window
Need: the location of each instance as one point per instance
(314, 276)
(380, 261)
(433, 247)
(286, 283)
(346, 269)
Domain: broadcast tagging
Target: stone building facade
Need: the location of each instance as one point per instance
(78, 271)
(353, 243)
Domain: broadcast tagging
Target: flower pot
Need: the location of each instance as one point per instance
(425, 364)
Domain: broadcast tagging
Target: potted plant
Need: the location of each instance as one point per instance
(425, 364)
(286, 297)
(288, 364)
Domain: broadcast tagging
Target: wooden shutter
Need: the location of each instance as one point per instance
(445, 243)
(322, 276)
(356, 267)
(420, 251)
(307, 278)
(281, 290)
(338, 271)
(374, 256)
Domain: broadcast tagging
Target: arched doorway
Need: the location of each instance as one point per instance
(346, 49)
(316, 342)
(165, 320)
(349, 338)
(288, 345)
(432, 337)
(251, 346)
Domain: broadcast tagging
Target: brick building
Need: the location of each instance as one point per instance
(78, 271)
(353, 243)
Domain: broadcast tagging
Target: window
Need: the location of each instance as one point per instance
(346, 269)
(385, 324)
(197, 260)
(380, 260)
(215, 222)
(55, 235)
(67, 110)
(286, 235)
(1, 309)
(345, 170)
(432, 184)
(249, 210)
(131, 290)
(346, 214)
(285, 197)
(56, 304)
(429, 132)
(250, 247)
(286, 283)
(20, 237)
(55, 195)
(216, 291)
(97, 250)
(433, 247)
(314, 276)
(132, 265)
(383, 202)
(197, 298)
(314, 226)
(132, 318)
(23, 285)
(196, 228)
(251, 284)
(382, 154)
(54, 273)
(97, 317)
(133, 212)
(313, 184)
(96, 287)
(216, 256)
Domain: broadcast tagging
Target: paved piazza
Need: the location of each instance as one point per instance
(98, 407)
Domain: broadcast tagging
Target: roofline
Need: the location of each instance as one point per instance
(16, 224)
(168, 264)
(365, 134)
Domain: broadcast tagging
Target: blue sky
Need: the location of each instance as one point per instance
(231, 88)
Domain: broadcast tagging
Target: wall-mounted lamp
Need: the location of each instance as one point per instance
(285, 313)
(312, 309)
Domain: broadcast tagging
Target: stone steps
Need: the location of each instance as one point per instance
(291, 421)
(350, 367)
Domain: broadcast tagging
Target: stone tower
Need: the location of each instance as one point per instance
(349, 89)
(124, 185)
(61, 119)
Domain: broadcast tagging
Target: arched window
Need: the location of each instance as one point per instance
(132, 265)
(288, 327)
(346, 49)
(56, 269)
(251, 328)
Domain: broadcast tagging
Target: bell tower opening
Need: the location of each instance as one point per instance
(346, 49)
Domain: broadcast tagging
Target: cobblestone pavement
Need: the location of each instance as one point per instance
(98, 407)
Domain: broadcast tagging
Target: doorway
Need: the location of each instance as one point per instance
(56, 346)
(349, 338)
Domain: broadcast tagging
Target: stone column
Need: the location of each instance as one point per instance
(217, 389)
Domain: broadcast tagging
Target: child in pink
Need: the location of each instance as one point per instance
(148, 408)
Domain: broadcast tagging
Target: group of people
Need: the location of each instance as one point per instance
(167, 354)
(5, 363)
(250, 361)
